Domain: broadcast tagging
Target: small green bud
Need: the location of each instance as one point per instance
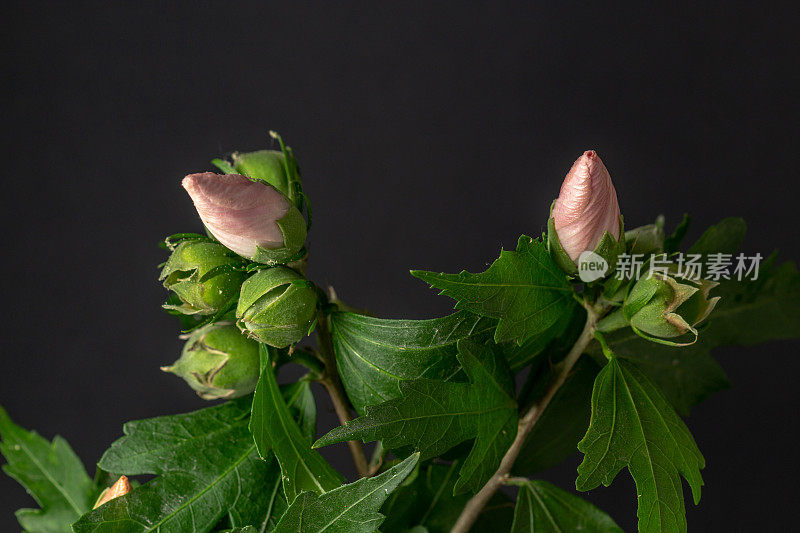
(277, 306)
(664, 307)
(218, 362)
(187, 265)
(268, 166)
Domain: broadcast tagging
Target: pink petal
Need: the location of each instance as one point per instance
(586, 207)
(240, 213)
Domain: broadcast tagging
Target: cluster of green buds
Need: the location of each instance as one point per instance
(250, 266)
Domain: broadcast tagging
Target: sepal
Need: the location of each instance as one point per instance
(293, 228)
(609, 249)
(267, 166)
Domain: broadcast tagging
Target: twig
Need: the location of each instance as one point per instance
(476, 504)
(330, 380)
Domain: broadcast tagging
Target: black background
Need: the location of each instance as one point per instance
(429, 136)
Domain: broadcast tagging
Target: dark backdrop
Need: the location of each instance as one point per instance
(429, 136)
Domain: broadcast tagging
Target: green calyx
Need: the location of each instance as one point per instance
(189, 263)
(664, 307)
(267, 166)
(294, 229)
(218, 362)
(608, 248)
(277, 306)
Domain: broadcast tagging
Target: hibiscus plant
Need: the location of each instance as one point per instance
(589, 337)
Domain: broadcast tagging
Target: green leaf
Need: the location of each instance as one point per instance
(425, 502)
(524, 289)
(182, 501)
(274, 429)
(168, 443)
(209, 471)
(544, 508)
(351, 508)
(557, 338)
(52, 474)
(633, 425)
(373, 355)
(433, 416)
(672, 242)
(300, 399)
(725, 237)
(555, 436)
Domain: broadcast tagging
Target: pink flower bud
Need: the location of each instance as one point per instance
(586, 207)
(243, 215)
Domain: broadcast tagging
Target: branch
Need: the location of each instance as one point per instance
(330, 380)
(476, 504)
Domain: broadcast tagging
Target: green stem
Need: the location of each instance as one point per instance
(330, 380)
(476, 504)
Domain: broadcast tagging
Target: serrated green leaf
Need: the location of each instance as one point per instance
(351, 508)
(181, 501)
(433, 416)
(167, 443)
(544, 508)
(524, 289)
(373, 355)
(633, 425)
(425, 502)
(208, 471)
(555, 436)
(557, 338)
(52, 474)
(275, 430)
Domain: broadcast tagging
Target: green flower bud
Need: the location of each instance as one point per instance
(189, 262)
(664, 307)
(218, 362)
(268, 166)
(277, 306)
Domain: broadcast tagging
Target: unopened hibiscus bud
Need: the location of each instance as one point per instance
(120, 488)
(277, 306)
(251, 218)
(218, 362)
(268, 166)
(664, 306)
(585, 217)
(185, 269)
